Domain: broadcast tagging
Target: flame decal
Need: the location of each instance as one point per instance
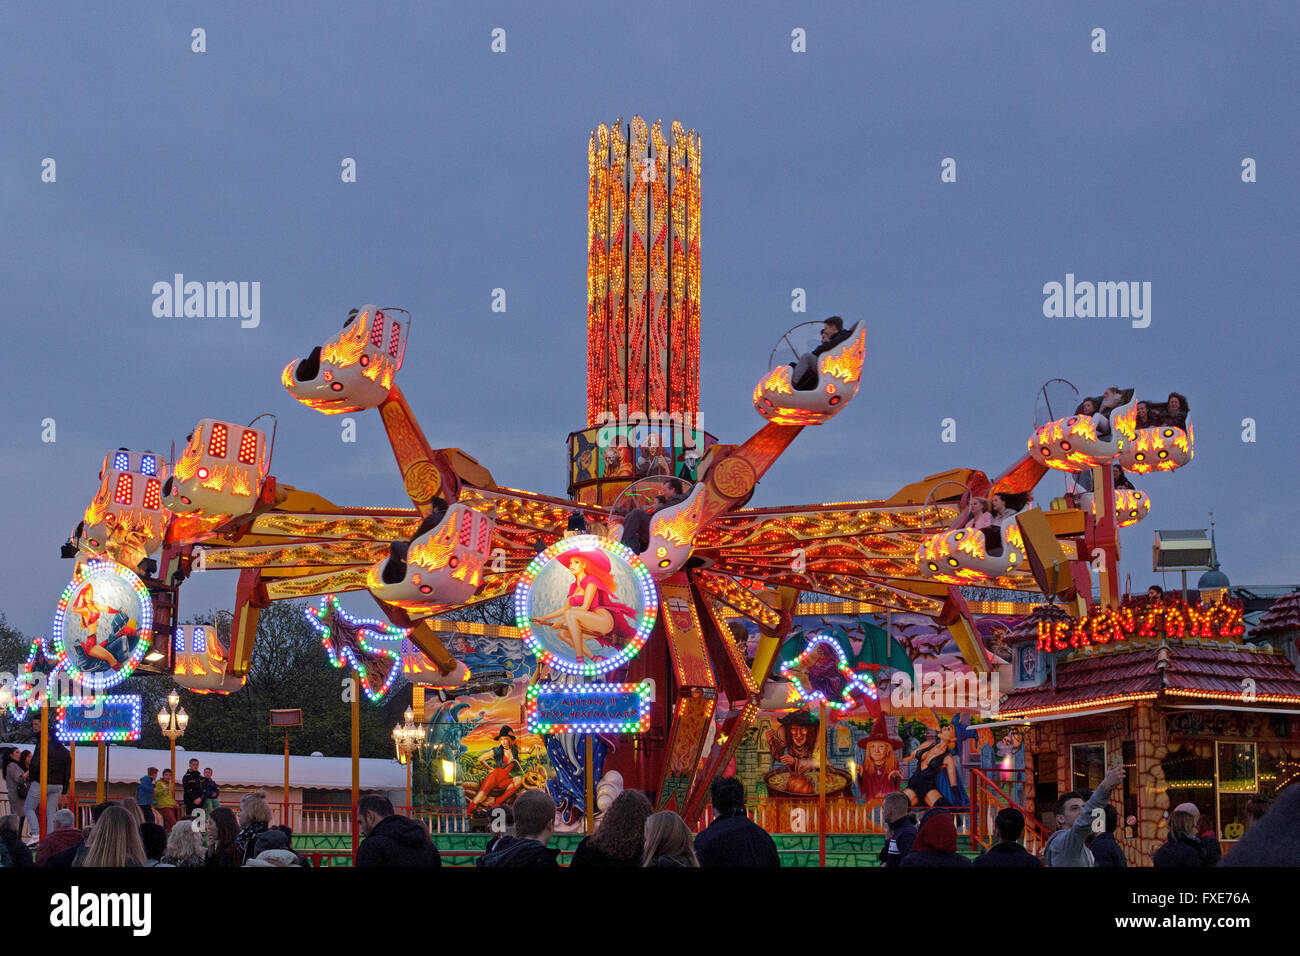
(347, 348)
(778, 381)
(240, 483)
(1125, 422)
(846, 363)
(436, 552)
(189, 463)
(217, 479)
(680, 529)
(98, 507)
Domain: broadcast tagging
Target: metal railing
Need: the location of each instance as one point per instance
(779, 815)
(992, 791)
(793, 815)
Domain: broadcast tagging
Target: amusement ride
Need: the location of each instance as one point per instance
(703, 559)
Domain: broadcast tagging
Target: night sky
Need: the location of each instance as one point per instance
(821, 171)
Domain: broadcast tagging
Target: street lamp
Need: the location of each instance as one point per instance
(408, 737)
(172, 720)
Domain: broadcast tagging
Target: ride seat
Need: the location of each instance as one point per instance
(309, 367)
(395, 567)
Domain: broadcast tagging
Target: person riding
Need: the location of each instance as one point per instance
(833, 333)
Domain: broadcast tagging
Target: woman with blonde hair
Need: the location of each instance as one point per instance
(254, 819)
(184, 847)
(1183, 848)
(115, 841)
(668, 841)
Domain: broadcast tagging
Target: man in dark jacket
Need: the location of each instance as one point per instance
(534, 814)
(1105, 850)
(1009, 824)
(900, 829)
(392, 840)
(192, 788)
(733, 839)
(936, 842)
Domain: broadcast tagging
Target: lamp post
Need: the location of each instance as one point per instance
(408, 737)
(172, 719)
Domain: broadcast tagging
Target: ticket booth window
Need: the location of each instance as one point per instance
(1087, 765)
(1237, 771)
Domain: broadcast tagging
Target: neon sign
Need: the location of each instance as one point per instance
(587, 708)
(113, 718)
(1170, 619)
(821, 674)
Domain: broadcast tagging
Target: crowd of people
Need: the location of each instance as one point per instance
(22, 774)
(1086, 824)
(631, 834)
(155, 794)
(121, 835)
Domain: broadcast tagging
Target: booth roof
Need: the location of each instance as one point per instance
(1213, 670)
(127, 764)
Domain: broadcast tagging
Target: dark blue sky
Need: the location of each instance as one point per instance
(820, 171)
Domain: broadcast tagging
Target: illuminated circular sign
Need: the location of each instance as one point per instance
(586, 605)
(104, 624)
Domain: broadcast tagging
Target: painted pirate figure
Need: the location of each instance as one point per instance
(505, 770)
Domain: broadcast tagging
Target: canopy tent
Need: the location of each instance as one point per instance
(128, 764)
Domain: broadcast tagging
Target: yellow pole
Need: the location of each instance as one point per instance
(408, 785)
(591, 788)
(356, 760)
(72, 778)
(172, 785)
(285, 821)
(100, 772)
(45, 767)
(821, 785)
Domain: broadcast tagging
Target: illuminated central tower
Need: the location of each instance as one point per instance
(643, 308)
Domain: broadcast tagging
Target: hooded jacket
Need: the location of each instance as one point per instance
(275, 858)
(398, 841)
(518, 851)
(936, 843)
